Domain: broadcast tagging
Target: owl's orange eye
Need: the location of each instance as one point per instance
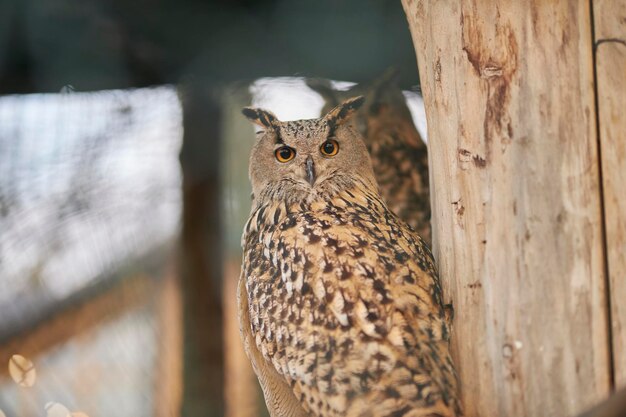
(285, 154)
(329, 148)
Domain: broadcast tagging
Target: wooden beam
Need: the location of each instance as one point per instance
(126, 295)
(515, 190)
(610, 44)
(201, 253)
(243, 393)
(169, 382)
(241, 386)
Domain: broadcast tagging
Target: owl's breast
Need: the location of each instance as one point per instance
(333, 287)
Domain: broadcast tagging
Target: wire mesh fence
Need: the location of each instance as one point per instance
(89, 201)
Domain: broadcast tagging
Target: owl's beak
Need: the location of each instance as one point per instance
(309, 168)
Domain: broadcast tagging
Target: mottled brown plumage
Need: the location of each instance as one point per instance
(399, 156)
(339, 301)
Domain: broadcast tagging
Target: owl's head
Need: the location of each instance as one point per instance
(298, 160)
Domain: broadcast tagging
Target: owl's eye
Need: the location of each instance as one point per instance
(285, 154)
(329, 148)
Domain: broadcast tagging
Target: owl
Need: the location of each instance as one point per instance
(399, 156)
(340, 305)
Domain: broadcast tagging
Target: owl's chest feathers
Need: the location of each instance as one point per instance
(278, 208)
(307, 221)
(335, 262)
(323, 237)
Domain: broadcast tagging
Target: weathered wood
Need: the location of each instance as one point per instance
(610, 43)
(515, 190)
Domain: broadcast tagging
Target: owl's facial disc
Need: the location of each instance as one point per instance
(309, 168)
(306, 159)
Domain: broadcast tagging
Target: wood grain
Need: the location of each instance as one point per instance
(515, 191)
(610, 42)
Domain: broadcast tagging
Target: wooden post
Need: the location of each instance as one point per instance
(610, 44)
(243, 394)
(169, 383)
(201, 254)
(516, 199)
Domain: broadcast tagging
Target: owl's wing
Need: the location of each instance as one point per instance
(347, 309)
(279, 397)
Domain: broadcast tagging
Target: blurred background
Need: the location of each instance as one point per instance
(123, 187)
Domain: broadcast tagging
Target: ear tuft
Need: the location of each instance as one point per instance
(250, 113)
(263, 118)
(344, 111)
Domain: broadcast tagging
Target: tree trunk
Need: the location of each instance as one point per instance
(517, 200)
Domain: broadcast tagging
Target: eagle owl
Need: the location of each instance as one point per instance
(339, 300)
(399, 156)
